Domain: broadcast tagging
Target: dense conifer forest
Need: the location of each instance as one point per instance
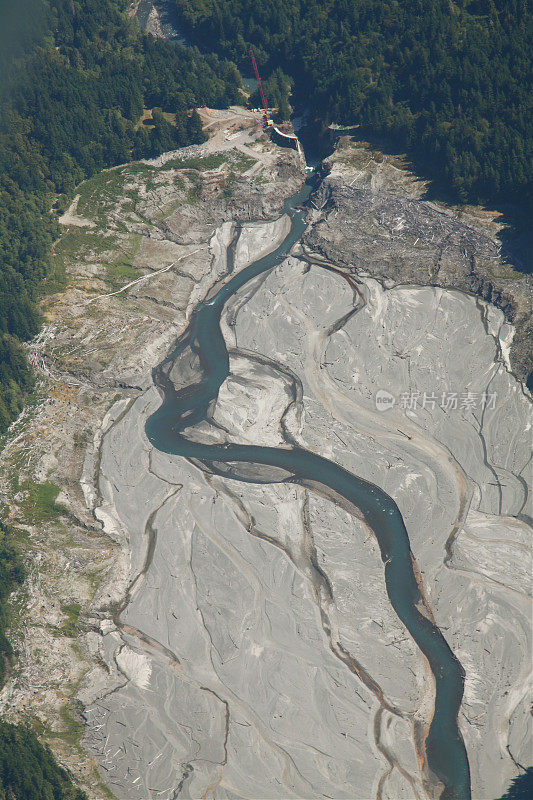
(449, 81)
(28, 771)
(11, 576)
(76, 77)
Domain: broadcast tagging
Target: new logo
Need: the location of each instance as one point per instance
(384, 400)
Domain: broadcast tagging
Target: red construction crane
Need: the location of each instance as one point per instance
(260, 85)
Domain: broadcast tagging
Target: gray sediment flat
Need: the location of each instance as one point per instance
(227, 673)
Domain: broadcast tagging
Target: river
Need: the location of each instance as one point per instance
(170, 429)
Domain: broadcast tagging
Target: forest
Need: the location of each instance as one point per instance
(28, 770)
(76, 77)
(447, 81)
(11, 576)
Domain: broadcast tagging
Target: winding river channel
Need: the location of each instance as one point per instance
(169, 430)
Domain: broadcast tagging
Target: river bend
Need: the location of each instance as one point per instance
(170, 430)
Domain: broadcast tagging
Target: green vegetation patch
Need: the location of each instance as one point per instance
(16, 380)
(56, 280)
(241, 161)
(118, 275)
(72, 612)
(79, 244)
(39, 504)
(109, 187)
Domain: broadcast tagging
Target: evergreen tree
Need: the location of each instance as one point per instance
(424, 73)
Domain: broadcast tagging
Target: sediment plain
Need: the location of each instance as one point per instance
(229, 629)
